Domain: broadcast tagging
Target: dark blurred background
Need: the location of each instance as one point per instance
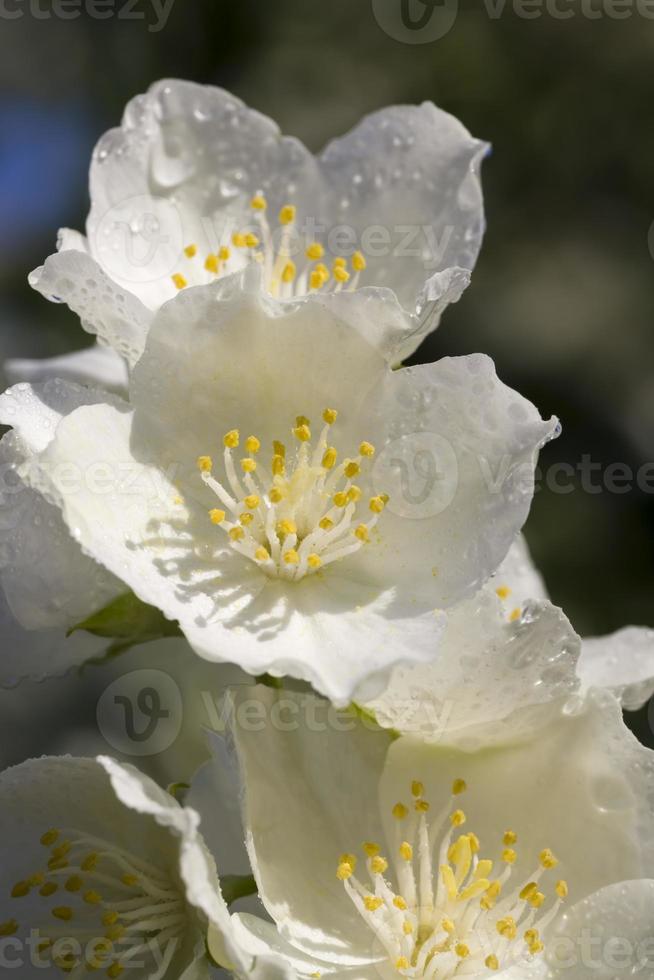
(562, 297)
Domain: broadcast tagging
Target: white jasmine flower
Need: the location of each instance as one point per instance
(103, 871)
(95, 365)
(380, 858)
(195, 185)
(246, 486)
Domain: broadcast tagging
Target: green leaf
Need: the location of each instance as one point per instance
(234, 887)
(128, 622)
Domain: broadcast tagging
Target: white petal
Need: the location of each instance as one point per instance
(310, 784)
(114, 314)
(622, 662)
(492, 682)
(607, 935)
(582, 787)
(519, 574)
(414, 170)
(93, 365)
(456, 454)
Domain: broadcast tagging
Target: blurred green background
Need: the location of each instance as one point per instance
(562, 297)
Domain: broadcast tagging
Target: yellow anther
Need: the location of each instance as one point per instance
(447, 925)
(561, 889)
(93, 898)
(8, 928)
(509, 856)
(115, 970)
(530, 889)
(459, 786)
(238, 239)
(329, 416)
(74, 884)
(422, 806)
(212, 264)
(449, 881)
(278, 467)
(376, 505)
(50, 837)
(329, 458)
(190, 251)
(20, 889)
(352, 469)
(340, 274)
(110, 918)
(537, 900)
(339, 499)
(515, 615)
(503, 591)
(63, 912)
(89, 862)
(291, 557)
(361, 532)
(340, 262)
(316, 280)
(322, 270)
(179, 280)
(236, 533)
(252, 445)
(366, 449)
(287, 526)
(406, 851)
(372, 850)
(372, 903)
(262, 554)
(462, 951)
(353, 495)
(130, 880)
(57, 864)
(289, 272)
(378, 865)
(224, 253)
(275, 495)
(400, 811)
(417, 788)
(114, 933)
(315, 251)
(349, 859)
(494, 889)
(251, 240)
(302, 432)
(326, 523)
(251, 501)
(204, 464)
(547, 859)
(231, 439)
(510, 838)
(36, 879)
(473, 890)
(507, 927)
(48, 889)
(302, 420)
(279, 449)
(246, 518)
(359, 262)
(258, 203)
(407, 928)
(287, 214)
(474, 843)
(458, 818)
(491, 962)
(344, 871)
(531, 935)
(216, 515)
(400, 903)
(401, 963)
(248, 465)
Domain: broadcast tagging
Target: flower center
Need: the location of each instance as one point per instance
(291, 268)
(299, 514)
(105, 909)
(459, 919)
